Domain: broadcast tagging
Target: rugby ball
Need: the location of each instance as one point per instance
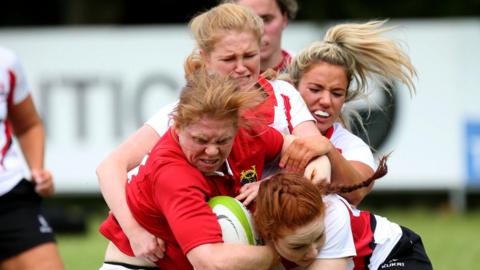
(235, 220)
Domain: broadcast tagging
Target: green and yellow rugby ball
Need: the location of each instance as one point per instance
(234, 219)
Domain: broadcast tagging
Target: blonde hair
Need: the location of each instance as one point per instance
(209, 26)
(362, 51)
(215, 96)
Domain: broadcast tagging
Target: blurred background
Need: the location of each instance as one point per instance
(99, 69)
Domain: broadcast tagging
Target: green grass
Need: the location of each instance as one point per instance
(452, 240)
(84, 251)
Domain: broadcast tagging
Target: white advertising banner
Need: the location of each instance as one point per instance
(94, 86)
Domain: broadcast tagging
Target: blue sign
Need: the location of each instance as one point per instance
(473, 153)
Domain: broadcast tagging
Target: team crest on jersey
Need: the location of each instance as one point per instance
(248, 176)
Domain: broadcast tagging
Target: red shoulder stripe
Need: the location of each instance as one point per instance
(8, 129)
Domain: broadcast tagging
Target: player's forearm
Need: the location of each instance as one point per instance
(228, 256)
(112, 178)
(347, 172)
(113, 173)
(32, 144)
(306, 129)
(329, 264)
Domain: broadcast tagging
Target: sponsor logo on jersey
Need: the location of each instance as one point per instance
(393, 263)
(248, 176)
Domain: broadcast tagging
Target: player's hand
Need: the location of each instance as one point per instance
(302, 150)
(248, 193)
(318, 170)
(43, 182)
(146, 245)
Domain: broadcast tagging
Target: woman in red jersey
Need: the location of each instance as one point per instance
(204, 154)
(228, 41)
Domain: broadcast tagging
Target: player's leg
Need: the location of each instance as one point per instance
(26, 239)
(42, 257)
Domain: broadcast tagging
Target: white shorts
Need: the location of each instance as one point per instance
(124, 266)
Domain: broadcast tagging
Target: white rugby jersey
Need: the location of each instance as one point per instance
(283, 65)
(288, 111)
(374, 237)
(350, 146)
(366, 238)
(339, 239)
(13, 90)
(338, 234)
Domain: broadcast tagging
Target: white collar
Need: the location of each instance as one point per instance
(220, 173)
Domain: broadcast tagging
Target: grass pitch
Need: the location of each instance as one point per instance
(452, 240)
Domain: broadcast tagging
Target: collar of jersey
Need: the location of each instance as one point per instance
(220, 173)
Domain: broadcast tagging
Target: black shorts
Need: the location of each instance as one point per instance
(408, 254)
(22, 226)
